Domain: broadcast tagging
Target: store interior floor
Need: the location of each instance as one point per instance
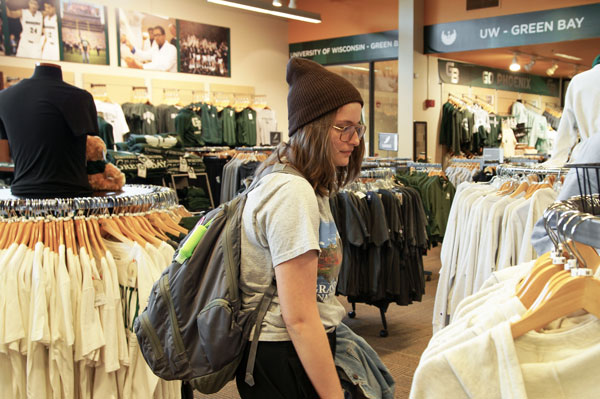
(409, 329)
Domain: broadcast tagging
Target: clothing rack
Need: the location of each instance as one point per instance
(377, 173)
(422, 165)
(507, 170)
(132, 195)
(570, 221)
(256, 148)
(207, 149)
(384, 162)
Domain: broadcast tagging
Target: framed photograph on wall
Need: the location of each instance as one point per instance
(84, 33)
(204, 49)
(32, 29)
(147, 41)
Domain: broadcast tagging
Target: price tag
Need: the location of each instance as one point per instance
(191, 173)
(141, 170)
(183, 165)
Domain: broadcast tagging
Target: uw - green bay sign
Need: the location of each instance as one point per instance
(548, 26)
(474, 75)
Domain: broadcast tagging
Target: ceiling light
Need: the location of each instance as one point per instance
(528, 67)
(514, 66)
(569, 57)
(550, 71)
(277, 3)
(292, 4)
(266, 8)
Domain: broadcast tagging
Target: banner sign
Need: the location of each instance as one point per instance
(546, 26)
(459, 73)
(349, 49)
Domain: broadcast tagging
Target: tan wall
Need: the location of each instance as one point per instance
(441, 11)
(259, 53)
(344, 18)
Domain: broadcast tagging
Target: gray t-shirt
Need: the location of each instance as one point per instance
(284, 218)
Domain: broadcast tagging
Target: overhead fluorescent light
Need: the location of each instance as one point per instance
(267, 8)
(569, 57)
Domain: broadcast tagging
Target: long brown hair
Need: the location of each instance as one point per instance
(309, 151)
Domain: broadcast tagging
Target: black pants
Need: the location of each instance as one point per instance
(278, 372)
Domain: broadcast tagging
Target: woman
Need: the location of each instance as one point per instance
(288, 233)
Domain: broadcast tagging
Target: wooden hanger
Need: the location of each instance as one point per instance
(128, 232)
(33, 236)
(139, 229)
(522, 188)
(80, 234)
(571, 295)
(109, 226)
(91, 237)
(552, 282)
(61, 232)
(94, 226)
(145, 224)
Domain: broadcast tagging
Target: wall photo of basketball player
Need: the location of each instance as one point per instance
(33, 29)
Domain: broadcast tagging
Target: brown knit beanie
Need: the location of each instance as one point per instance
(314, 92)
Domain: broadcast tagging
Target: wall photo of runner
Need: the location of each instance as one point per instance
(204, 49)
(84, 33)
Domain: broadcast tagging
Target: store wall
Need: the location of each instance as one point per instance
(344, 18)
(258, 48)
(442, 11)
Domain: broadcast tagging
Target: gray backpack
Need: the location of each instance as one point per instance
(193, 328)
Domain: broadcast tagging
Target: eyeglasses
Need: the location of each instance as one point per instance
(347, 132)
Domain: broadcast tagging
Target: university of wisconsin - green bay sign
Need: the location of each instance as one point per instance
(349, 49)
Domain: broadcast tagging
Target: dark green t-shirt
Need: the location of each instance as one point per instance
(246, 127)
(211, 129)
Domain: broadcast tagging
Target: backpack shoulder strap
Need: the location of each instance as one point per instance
(262, 307)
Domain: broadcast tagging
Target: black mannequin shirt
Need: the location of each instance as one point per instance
(46, 122)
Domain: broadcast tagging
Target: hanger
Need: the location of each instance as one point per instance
(34, 235)
(558, 255)
(140, 230)
(165, 223)
(564, 292)
(128, 232)
(571, 294)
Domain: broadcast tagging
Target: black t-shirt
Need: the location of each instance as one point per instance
(46, 122)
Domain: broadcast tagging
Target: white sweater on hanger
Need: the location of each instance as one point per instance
(580, 117)
(560, 363)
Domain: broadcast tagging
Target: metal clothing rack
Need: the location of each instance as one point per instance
(510, 170)
(144, 197)
(256, 148)
(377, 173)
(578, 218)
(423, 165)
